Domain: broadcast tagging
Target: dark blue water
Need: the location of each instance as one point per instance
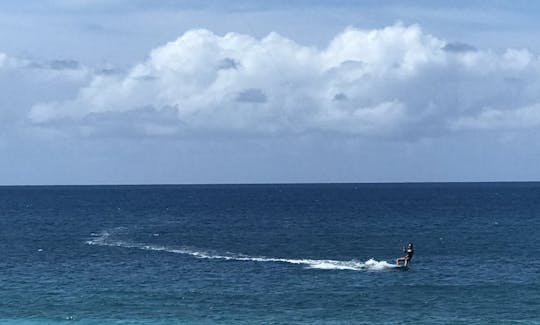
(270, 254)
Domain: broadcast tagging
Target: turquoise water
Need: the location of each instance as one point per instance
(270, 254)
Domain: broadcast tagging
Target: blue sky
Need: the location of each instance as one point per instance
(131, 92)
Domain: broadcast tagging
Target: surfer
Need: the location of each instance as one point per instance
(409, 252)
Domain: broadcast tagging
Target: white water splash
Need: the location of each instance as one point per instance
(104, 239)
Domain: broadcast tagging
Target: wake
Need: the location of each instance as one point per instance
(104, 239)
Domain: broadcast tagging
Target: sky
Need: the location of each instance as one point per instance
(198, 92)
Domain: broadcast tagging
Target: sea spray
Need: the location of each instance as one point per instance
(104, 239)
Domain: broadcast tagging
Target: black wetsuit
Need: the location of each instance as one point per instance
(410, 253)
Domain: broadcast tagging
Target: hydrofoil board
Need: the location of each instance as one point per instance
(401, 267)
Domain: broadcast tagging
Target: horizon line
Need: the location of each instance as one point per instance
(268, 183)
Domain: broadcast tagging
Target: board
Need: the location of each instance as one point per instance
(401, 267)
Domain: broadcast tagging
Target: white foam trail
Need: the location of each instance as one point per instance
(103, 239)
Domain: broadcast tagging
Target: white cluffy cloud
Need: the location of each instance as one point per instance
(395, 81)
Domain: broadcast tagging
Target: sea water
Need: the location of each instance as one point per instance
(270, 254)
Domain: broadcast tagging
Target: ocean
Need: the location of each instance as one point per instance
(270, 254)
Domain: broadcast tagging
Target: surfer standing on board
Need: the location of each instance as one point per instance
(409, 251)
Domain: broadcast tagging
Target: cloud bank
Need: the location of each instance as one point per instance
(26, 81)
(394, 82)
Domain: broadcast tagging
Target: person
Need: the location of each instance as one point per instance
(409, 252)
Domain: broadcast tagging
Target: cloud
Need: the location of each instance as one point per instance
(8, 62)
(394, 82)
(251, 95)
(458, 47)
(340, 97)
(27, 82)
(64, 67)
(512, 119)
